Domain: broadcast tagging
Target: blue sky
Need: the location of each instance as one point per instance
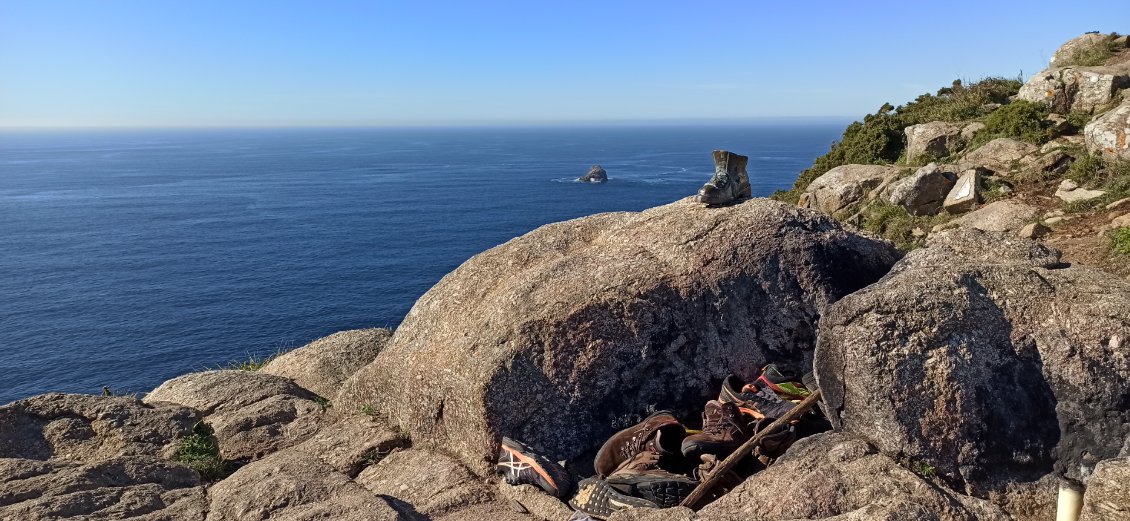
(280, 63)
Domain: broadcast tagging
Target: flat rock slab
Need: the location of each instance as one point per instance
(1000, 156)
(998, 216)
(832, 474)
(116, 488)
(293, 485)
(353, 443)
(322, 365)
(86, 428)
(253, 414)
(553, 336)
(965, 194)
(428, 482)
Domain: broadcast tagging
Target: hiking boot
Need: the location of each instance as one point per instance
(521, 466)
(757, 403)
(722, 431)
(774, 444)
(643, 477)
(660, 433)
(730, 182)
(598, 499)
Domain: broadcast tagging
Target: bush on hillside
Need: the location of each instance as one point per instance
(879, 138)
(1020, 119)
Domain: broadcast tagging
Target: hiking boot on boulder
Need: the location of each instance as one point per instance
(518, 465)
(644, 476)
(723, 430)
(660, 433)
(730, 183)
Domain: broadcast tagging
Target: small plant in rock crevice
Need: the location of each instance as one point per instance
(201, 452)
(1120, 241)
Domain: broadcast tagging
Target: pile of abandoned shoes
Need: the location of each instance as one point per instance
(658, 462)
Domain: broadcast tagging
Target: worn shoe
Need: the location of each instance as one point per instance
(757, 403)
(775, 443)
(785, 385)
(643, 477)
(660, 433)
(521, 466)
(598, 499)
(722, 431)
(730, 182)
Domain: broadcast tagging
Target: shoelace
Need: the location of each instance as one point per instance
(719, 426)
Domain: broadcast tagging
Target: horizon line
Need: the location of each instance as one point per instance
(449, 124)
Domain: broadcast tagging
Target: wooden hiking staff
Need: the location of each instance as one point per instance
(703, 488)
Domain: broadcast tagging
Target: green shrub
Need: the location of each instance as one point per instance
(1020, 119)
(201, 452)
(880, 137)
(1092, 171)
(894, 223)
(1120, 241)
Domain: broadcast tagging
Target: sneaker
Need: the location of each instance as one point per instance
(784, 385)
(730, 182)
(596, 498)
(757, 403)
(723, 430)
(643, 477)
(660, 433)
(521, 466)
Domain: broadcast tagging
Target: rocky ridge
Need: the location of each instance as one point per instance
(1004, 359)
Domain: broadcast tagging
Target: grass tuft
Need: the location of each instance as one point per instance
(894, 223)
(201, 452)
(1120, 241)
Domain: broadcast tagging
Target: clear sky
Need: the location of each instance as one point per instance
(325, 62)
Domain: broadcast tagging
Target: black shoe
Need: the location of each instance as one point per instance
(644, 478)
(521, 466)
(598, 499)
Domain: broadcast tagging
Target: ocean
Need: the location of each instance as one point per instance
(130, 257)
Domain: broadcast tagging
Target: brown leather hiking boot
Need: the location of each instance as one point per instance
(723, 430)
(643, 477)
(660, 433)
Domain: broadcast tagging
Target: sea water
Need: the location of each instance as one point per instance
(130, 257)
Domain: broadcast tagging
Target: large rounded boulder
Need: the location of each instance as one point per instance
(984, 357)
(556, 336)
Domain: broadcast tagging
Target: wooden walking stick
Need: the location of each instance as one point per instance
(703, 488)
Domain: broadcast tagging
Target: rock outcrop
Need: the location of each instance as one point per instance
(322, 365)
(295, 485)
(596, 175)
(965, 194)
(78, 456)
(553, 336)
(252, 413)
(839, 476)
(844, 186)
(997, 361)
(1109, 134)
(1070, 192)
(1108, 492)
(934, 139)
(1075, 89)
(1070, 51)
(434, 484)
(998, 216)
(924, 191)
(1000, 156)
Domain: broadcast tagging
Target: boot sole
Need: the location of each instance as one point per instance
(598, 499)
